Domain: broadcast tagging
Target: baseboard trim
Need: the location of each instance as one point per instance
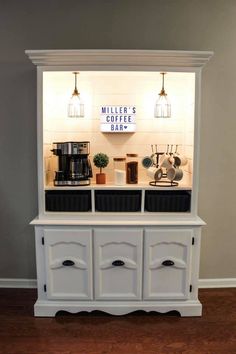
(203, 283)
(18, 283)
(217, 283)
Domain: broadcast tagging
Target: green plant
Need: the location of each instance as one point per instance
(100, 160)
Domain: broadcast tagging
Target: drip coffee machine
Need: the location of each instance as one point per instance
(74, 167)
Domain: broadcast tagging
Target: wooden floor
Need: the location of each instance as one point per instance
(98, 333)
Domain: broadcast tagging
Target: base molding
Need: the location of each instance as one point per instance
(217, 283)
(18, 283)
(185, 308)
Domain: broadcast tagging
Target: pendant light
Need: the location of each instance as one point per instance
(163, 106)
(75, 106)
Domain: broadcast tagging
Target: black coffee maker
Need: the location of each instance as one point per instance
(74, 167)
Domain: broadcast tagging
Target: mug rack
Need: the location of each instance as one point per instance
(163, 182)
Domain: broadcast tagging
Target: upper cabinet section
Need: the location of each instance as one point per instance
(139, 107)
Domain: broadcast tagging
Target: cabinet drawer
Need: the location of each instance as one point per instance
(118, 263)
(167, 259)
(68, 263)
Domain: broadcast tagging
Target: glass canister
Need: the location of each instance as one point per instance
(119, 170)
(131, 168)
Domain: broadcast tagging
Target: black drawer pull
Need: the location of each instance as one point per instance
(168, 263)
(68, 263)
(118, 263)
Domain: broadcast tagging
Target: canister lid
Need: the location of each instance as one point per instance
(132, 155)
(119, 158)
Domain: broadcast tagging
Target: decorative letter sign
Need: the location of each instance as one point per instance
(118, 119)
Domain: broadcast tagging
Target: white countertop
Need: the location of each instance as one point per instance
(119, 219)
(138, 186)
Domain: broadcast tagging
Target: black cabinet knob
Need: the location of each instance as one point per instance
(118, 263)
(68, 263)
(168, 263)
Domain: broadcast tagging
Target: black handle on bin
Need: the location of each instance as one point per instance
(168, 263)
(118, 263)
(68, 263)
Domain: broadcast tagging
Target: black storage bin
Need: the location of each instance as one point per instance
(118, 200)
(167, 201)
(61, 200)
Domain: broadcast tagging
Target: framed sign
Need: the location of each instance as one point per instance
(117, 119)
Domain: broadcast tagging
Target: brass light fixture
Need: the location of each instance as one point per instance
(75, 106)
(163, 106)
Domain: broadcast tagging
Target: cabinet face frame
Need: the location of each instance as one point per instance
(118, 60)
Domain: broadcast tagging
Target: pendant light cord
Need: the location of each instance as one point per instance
(76, 81)
(75, 90)
(162, 93)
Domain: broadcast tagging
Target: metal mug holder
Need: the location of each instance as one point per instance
(162, 183)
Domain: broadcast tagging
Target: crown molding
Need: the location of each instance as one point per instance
(119, 58)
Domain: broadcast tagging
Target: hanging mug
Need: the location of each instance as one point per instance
(155, 173)
(147, 161)
(179, 159)
(166, 161)
(175, 174)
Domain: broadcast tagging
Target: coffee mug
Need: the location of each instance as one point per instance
(166, 161)
(155, 173)
(180, 160)
(175, 174)
(147, 161)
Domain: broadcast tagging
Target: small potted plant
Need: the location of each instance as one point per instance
(101, 161)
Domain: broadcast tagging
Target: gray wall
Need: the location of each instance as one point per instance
(124, 24)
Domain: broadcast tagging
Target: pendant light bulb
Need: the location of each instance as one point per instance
(75, 106)
(163, 106)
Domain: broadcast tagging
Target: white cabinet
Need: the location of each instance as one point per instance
(68, 263)
(118, 263)
(167, 263)
(117, 269)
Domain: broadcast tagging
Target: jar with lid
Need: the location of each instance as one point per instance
(119, 170)
(131, 168)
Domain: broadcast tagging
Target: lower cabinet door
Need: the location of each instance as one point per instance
(68, 263)
(167, 263)
(118, 264)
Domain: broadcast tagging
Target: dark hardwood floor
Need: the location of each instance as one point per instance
(98, 333)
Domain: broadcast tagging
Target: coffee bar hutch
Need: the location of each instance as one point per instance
(118, 247)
